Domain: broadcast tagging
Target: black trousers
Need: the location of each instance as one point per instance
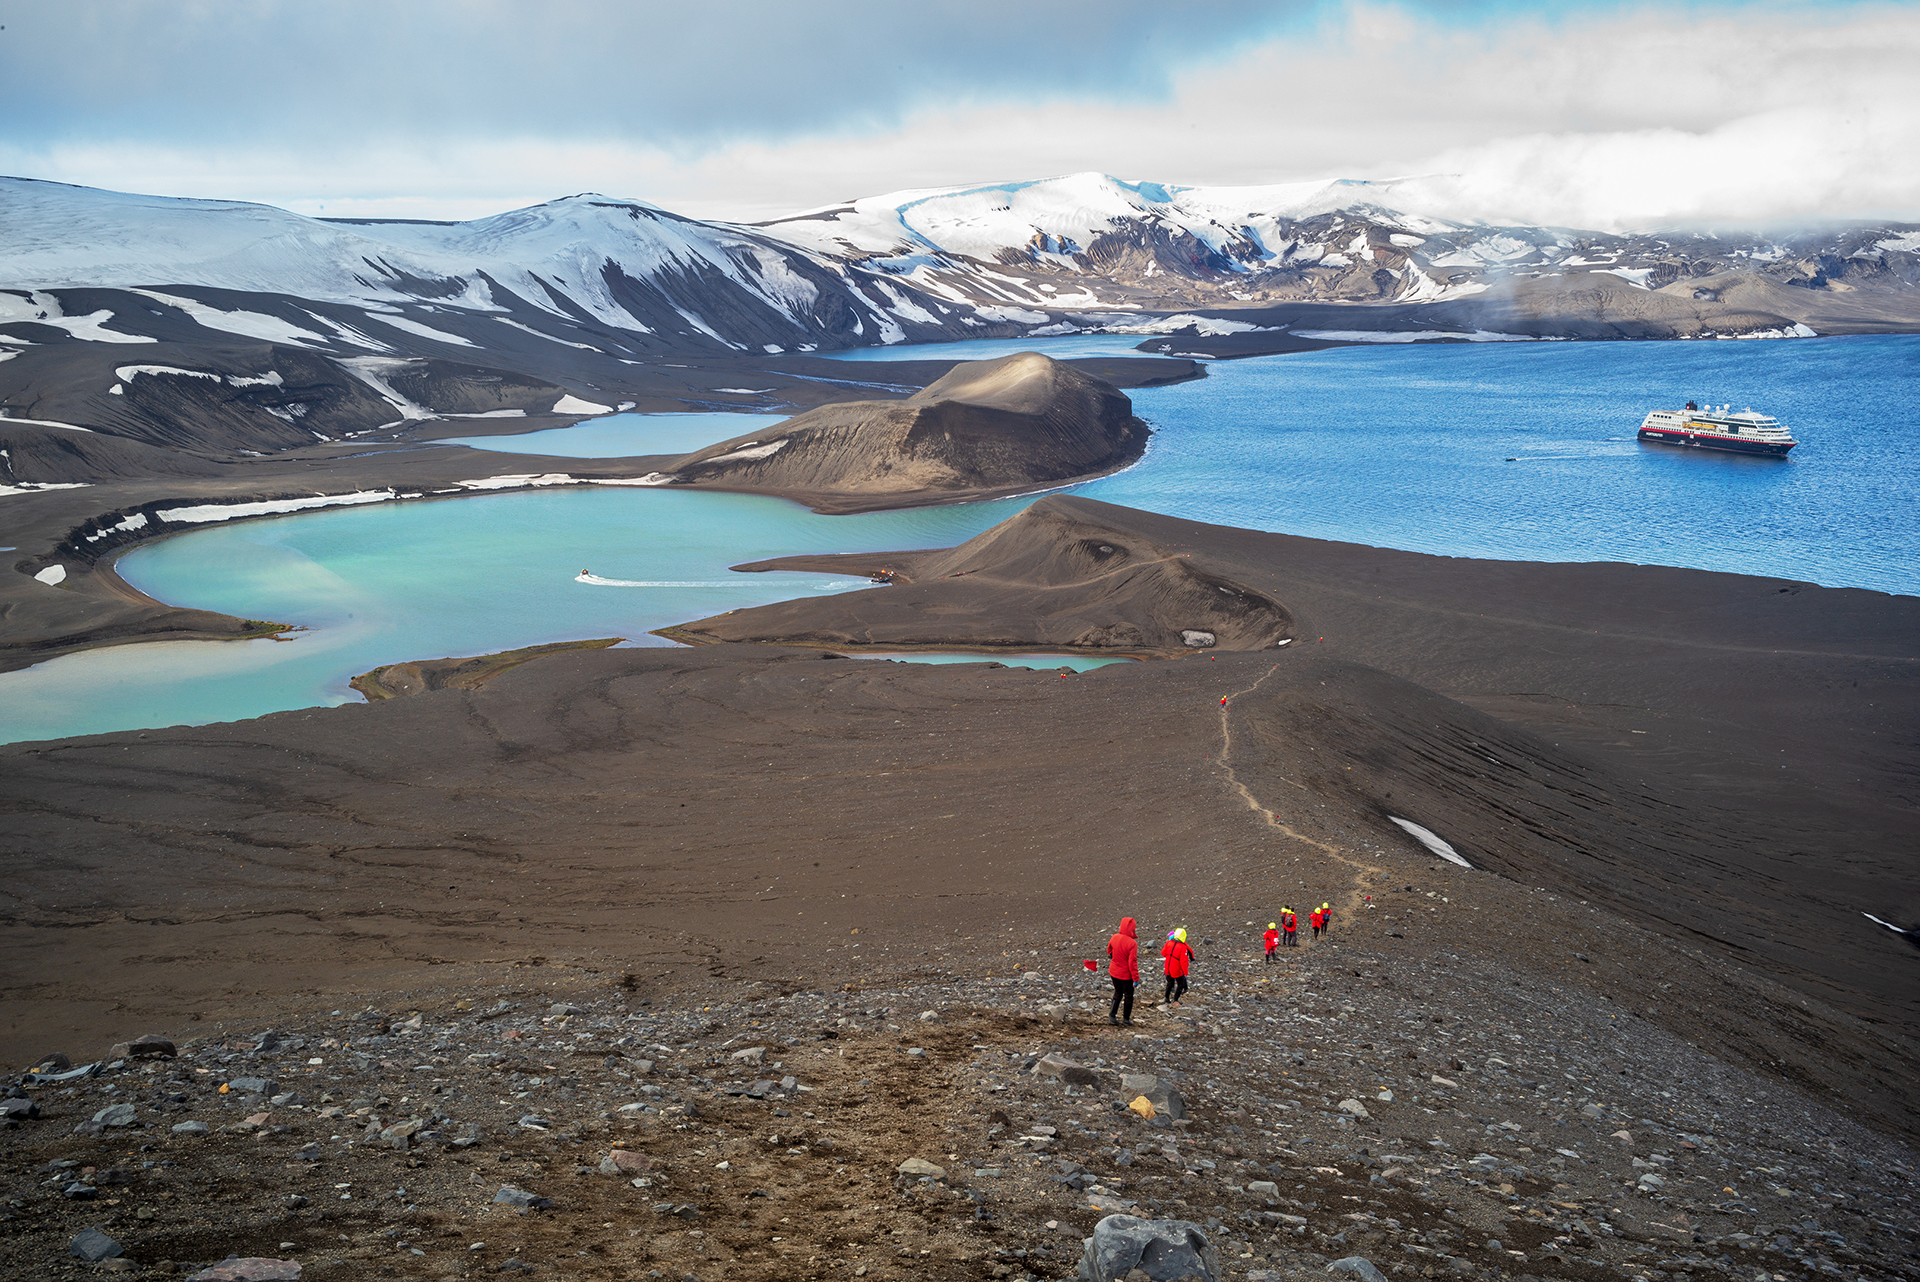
(1176, 987)
(1122, 993)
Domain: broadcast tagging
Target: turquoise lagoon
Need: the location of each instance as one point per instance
(1521, 451)
(389, 582)
(624, 435)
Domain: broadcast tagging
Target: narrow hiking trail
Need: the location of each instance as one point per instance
(1352, 902)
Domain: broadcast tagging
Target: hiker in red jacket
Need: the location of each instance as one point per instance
(1290, 927)
(1271, 939)
(1179, 959)
(1123, 967)
(1318, 920)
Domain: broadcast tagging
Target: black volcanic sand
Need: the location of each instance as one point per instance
(1762, 727)
(1054, 577)
(734, 812)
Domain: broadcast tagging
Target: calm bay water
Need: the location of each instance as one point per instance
(1407, 447)
(1402, 446)
(624, 435)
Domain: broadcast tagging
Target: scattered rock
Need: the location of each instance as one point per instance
(19, 1110)
(93, 1245)
(625, 1162)
(750, 1055)
(1358, 1267)
(1354, 1107)
(254, 1086)
(563, 1008)
(150, 1046)
(1161, 1250)
(250, 1269)
(117, 1115)
(190, 1128)
(520, 1199)
(1196, 639)
(918, 1167)
(1143, 1106)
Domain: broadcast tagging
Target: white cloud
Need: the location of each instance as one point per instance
(1608, 118)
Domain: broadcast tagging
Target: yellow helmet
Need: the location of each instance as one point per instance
(1181, 934)
(1273, 925)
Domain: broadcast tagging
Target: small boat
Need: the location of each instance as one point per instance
(1718, 428)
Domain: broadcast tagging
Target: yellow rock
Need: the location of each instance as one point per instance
(1143, 1106)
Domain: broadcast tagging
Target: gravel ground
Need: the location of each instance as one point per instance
(1440, 1117)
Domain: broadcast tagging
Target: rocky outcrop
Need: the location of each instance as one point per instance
(988, 427)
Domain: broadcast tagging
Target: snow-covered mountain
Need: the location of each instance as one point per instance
(1092, 241)
(622, 277)
(627, 280)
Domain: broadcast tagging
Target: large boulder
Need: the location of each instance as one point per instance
(1164, 1250)
(1358, 1268)
(1157, 1091)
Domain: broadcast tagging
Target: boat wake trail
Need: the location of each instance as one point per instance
(598, 582)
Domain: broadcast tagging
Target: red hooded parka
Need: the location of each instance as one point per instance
(1124, 950)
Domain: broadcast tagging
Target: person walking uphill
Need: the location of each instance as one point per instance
(1290, 927)
(1179, 959)
(1123, 967)
(1271, 939)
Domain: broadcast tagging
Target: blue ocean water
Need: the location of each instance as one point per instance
(1408, 447)
(1513, 450)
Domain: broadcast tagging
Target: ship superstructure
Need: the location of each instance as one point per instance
(1719, 427)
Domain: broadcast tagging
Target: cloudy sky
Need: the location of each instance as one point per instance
(1592, 115)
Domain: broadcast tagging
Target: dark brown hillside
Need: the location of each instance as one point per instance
(987, 427)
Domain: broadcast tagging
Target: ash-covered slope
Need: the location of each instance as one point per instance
(987, 427)
(1061, 575)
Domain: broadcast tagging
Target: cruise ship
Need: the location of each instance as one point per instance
(1719, 428)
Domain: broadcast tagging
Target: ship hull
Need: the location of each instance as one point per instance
(1705, 441)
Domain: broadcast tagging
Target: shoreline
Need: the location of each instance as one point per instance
(85, 537)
